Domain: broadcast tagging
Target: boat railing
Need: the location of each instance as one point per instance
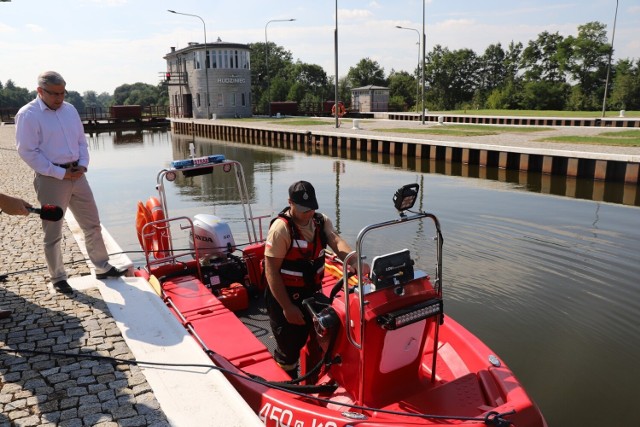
(206, 165)
(169, 255)
(364, 285)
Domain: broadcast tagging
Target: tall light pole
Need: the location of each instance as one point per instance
(266, 57)
(424, 49)
(418, 77)
(606, 82)
(335, 48)
(206, 57)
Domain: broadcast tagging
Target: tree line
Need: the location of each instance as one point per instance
(552, 72)
(13, 97)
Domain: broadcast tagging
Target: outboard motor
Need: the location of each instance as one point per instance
(212, 237)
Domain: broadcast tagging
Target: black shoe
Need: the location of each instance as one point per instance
(113, 272)
(63, 287)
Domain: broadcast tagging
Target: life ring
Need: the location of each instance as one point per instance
(161, 237)
(143, 217)
(341, 110)
(156, 241)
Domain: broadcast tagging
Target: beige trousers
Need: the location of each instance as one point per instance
(77, 196)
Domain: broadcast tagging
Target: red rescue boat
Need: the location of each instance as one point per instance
(383, 353)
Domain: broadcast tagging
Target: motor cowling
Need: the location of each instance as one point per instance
(212, 236)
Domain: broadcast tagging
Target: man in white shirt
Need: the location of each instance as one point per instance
(50, 139)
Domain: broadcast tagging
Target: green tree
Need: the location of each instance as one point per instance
(452, 77)
(13, 97)
(265, 69)
(404, 87)
(307, 79)
(366, 72)
(140, 94)
(625, 93)
(76, 100)
(546, 58)
(588, 63)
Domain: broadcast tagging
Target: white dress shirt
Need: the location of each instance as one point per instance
(45, 136)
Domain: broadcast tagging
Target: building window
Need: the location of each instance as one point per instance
(214, 57)
(220, 100)
(244, 103)
(220, 63)
(196, 60)
(198, 100)
(233, 99)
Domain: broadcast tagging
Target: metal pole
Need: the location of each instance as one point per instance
(606, 83)
(335, 48)
(424, 48)
(206, 56)
(266, 59)
(418, 76)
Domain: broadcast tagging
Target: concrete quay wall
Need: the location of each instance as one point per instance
(596, 165)
(607, 122)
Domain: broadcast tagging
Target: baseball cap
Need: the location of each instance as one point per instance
(303, 194)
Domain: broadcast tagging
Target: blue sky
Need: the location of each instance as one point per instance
(101, 44)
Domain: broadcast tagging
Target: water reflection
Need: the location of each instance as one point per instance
(580, 188)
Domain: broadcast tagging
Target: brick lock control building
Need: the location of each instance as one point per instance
(222, 69)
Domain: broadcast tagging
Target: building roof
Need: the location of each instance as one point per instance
(192, 46)
(371, 87)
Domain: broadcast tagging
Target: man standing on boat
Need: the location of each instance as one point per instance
(50, 139)
(294, 267)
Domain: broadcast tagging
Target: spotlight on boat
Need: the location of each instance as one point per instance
(170, 176)
(405, 197)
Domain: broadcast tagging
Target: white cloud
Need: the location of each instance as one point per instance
(35, 28)
(4, 28)
(345, 14)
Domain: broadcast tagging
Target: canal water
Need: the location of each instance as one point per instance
(549, 282)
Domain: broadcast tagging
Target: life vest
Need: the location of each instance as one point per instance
(303, 264)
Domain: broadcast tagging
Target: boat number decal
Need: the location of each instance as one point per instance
(274, 416)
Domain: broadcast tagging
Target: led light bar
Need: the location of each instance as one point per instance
(413, 314)
(215, 158)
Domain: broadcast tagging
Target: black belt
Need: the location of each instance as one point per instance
(67, 165)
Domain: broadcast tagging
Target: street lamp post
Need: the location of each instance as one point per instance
(606, 83)
(424, 49)
(206, 57)
(266, 58)
(335, 48)
(418, 77)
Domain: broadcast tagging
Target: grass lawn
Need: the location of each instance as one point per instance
(466, 130)
(538, 113)
(628, 138)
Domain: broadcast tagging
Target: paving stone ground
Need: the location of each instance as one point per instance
(40, 389)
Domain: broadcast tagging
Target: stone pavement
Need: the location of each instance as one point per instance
(47, 390)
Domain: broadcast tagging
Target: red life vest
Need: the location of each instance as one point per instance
(303, 264)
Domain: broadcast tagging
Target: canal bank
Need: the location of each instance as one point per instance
(507, 150)
(43, 383)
